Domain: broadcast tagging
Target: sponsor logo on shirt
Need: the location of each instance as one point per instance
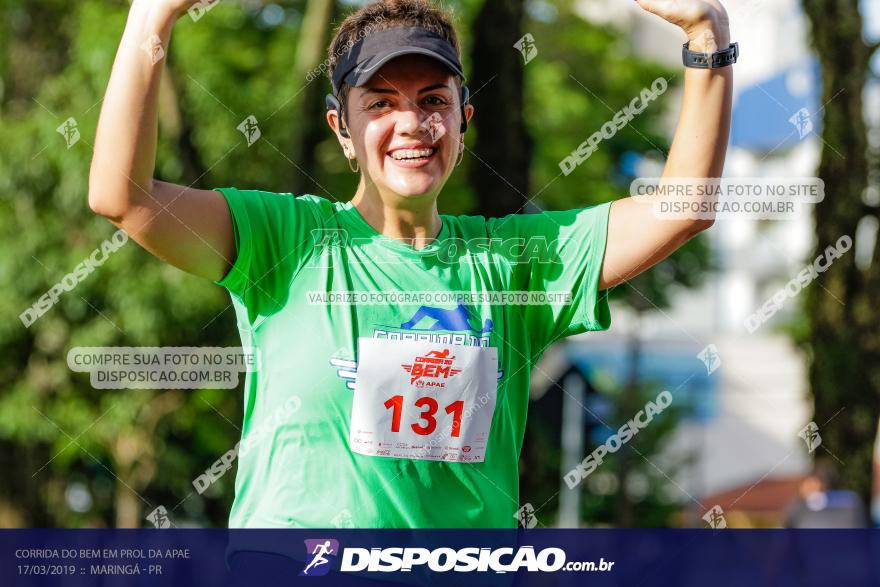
(441, 326)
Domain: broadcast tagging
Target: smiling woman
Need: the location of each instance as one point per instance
(406, 118)
(372, 312)
(400, 110)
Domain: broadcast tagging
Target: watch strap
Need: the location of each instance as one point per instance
(714, 60)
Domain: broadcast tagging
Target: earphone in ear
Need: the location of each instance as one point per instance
(465, 96)
(332, 103)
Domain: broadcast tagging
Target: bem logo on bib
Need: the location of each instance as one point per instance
(436, 365)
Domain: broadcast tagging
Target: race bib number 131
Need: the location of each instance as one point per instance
(421, 400)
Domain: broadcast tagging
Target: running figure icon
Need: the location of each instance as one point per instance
(318, 556)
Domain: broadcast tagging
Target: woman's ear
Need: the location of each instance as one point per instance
(333, 105)
(341, 133)
(333, 121)
(468, 111)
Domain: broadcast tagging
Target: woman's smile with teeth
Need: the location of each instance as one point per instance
(412, 153)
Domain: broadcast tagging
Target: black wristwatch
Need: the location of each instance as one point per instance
(709, 60)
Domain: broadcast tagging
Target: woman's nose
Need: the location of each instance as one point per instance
(409, 120)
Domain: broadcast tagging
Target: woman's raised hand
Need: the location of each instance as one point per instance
(178, 8)
(704, 21)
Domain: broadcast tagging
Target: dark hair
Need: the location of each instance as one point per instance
(387, 14)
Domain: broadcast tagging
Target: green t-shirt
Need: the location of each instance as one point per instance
(295, 464)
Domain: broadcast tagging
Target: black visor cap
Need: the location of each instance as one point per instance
(364, 58)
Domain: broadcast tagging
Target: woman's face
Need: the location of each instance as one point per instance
(404, 126)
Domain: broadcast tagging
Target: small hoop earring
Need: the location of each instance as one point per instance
(460, 155)
(357, 166)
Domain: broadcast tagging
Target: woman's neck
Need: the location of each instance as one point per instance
(414, 221)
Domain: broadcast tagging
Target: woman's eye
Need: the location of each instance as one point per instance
(436, 101)
(379, 104)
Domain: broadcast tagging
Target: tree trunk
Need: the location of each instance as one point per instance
(309, 128)
(128, 505)
(177, 125)
(498, 166)
(134, 457)
(844, 334)
(626, 408)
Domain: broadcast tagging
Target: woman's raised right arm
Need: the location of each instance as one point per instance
(189, 228)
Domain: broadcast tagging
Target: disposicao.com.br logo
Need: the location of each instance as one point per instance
(443, 559)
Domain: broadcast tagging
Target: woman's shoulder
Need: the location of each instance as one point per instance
(285, 202)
